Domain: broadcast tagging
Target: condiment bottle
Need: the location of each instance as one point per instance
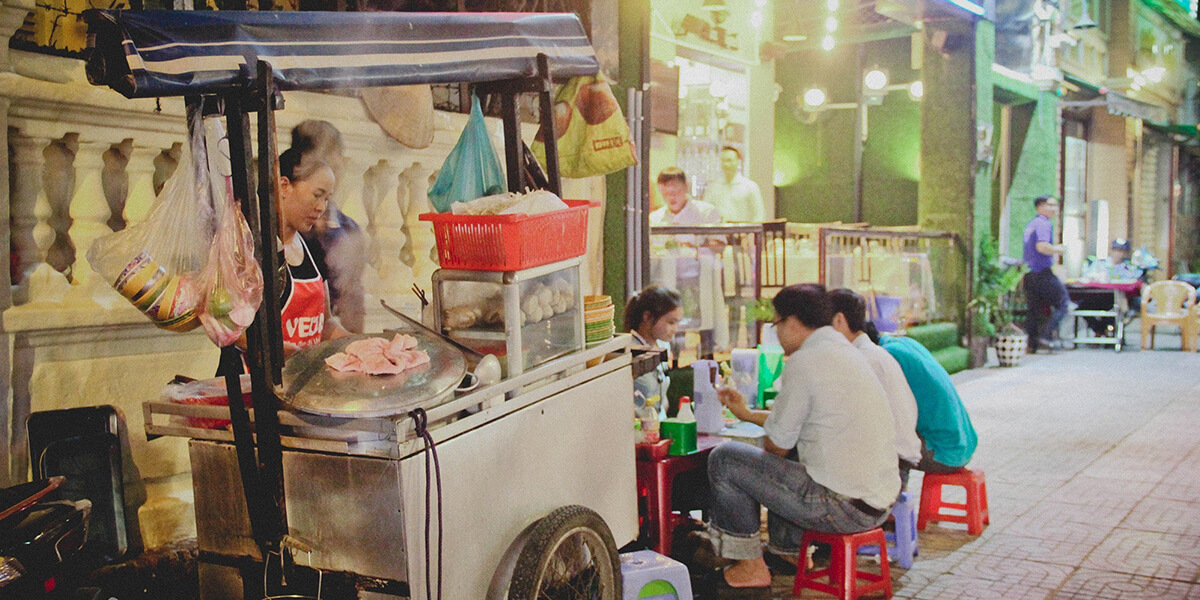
(685, 414)
(649, 418)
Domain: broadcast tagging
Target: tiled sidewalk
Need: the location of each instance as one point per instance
(1093, 468)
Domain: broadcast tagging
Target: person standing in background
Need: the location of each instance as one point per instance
(1045, 293)
(736, 197)
(337, 243)
(678, 207)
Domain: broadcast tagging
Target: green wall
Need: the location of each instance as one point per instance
(814, 163)
(1035, 171)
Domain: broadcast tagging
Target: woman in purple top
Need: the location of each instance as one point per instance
(1044, 291)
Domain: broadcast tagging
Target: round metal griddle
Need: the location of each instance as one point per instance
(311, 386)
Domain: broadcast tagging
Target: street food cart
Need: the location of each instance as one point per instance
(407, 485)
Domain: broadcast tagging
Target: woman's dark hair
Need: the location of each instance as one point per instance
(298, 166)
(655, 300)
(872, 332)
(808, 302)
(852, 306)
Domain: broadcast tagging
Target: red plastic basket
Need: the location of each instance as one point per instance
(510, 242)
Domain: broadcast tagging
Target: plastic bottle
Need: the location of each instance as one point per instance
(649, 418)
(685, 414)
(639, 436)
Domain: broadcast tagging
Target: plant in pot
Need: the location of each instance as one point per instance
(991, 310)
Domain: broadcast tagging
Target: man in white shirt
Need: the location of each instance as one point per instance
(832, 415)
(850, 319)
(678, 208)
(736, 197)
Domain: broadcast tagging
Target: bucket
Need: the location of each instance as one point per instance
(1010, 349)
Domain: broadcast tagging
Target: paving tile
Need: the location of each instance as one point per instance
(1151, 554)
(1127, 468)
(1166, 516)
(1173, 490)
(985, 567)
(955, 587)
(1102, 493)
(1058, 521)
(1068, 552)
(1091, 584)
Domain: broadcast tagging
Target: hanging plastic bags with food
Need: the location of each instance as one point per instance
(471, 170)
(593, 138)
(231, 284)
(154, 263)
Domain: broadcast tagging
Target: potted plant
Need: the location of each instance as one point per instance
(991, 310)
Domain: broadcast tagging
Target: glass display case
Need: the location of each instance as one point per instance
(524, 317)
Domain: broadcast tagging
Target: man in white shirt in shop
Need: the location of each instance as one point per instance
(850, 319)
(678, 207)
(832, 415)
(736, 197)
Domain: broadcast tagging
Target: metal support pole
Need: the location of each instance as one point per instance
(513, 153)
(546, 103)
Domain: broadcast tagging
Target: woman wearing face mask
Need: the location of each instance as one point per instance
(652, 317)
(305, 183)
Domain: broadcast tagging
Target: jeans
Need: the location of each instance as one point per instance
(1044, 293)
(744, 477)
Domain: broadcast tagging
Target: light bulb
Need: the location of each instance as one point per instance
(827, 43)
(832, 5)
(814, 97)
(875, 80)
(756, 19)
(916, 90)
(831, 24)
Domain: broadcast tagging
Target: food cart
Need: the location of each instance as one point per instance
(411, 486)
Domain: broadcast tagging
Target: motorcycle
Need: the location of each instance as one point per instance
(41, 540)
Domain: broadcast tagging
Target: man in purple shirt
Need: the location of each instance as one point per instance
(1045, 293)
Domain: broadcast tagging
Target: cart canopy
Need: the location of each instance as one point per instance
(171, 53)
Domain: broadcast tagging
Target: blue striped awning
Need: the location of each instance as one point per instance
(171, 53)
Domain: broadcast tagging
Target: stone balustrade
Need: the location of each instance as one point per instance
(84, 160)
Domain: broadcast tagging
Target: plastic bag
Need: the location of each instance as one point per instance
(154, 263)
(231, 284)
(593, 138)
(472, 169)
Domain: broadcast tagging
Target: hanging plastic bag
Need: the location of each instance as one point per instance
(471, 170)
(231, 283)
(154, 263)
(593, 138)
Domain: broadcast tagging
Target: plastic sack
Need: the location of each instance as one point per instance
(593, 138)
(472, 169)
(231, 284)
(154, 263)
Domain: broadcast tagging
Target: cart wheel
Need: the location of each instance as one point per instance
(570, 554)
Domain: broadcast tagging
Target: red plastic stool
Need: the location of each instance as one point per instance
(842, 572)
(976, 508)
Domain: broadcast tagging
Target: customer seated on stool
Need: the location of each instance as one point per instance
(832, 413)
(652, 315)
(1114, 268)
(947, 436)
(850, 319)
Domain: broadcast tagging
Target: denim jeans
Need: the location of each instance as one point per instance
(1044, 293)
(744, 477)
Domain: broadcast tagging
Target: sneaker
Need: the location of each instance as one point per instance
(1051, 346)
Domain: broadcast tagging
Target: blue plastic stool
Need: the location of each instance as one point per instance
(902, 545)
(648, 575)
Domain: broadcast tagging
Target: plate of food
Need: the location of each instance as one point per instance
(373, 374)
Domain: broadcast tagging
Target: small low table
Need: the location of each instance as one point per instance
(655, 476)
(1113, 297)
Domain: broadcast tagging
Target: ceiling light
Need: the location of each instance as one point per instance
(756, 19)
(831, 24)
(827, 43)
(1154, 74)
(916, 90)
(814, 98)
(875, 80)
(832, 5)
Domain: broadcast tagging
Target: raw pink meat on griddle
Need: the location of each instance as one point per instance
(377, 356)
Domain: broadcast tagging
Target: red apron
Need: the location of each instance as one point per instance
(304, 311)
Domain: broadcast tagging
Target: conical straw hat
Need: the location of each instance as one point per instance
(405, 112)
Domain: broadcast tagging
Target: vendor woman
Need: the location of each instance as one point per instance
(652, 317)
(305, 183)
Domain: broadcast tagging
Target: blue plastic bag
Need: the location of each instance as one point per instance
(471, 170)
